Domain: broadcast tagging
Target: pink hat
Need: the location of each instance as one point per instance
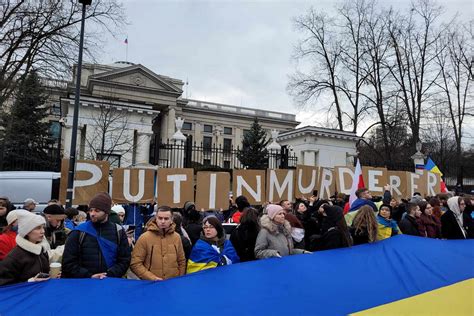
(273, 209)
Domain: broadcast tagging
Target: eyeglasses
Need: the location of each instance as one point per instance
(208, 227)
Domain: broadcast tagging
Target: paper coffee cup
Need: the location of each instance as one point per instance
(54, 270)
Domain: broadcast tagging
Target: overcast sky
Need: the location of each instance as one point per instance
(232, 52)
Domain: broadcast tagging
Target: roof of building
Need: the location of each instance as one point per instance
(318, 131)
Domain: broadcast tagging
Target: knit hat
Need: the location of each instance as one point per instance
(118, 209)
(12, 216)
(273, 210)
(28, 221)
(55, 211)
(334, 213)
(101, 201)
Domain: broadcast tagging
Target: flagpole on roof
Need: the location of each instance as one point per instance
(126, 49)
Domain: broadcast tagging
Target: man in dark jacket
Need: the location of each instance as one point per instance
(408, 224)
(97, 248)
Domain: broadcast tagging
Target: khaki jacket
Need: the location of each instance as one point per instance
(158, 253)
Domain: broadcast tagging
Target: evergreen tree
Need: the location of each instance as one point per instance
(25, 128)
(253, 154)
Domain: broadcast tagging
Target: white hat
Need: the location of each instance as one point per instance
(29, 200)
(28, 221)
(12, 216)
(118, 209)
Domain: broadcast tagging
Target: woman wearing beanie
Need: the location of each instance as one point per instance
(8, 234)
(212, 249)
(387, 227)
(334, 231)
(29, 257)
(274, 238)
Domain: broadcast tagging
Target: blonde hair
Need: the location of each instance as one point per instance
(365, 219)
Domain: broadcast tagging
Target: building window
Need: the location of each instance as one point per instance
(187, 126)
(226, 164)
(227, 130)
(207, 128)
(207, 143)
(55, 109)
(113, 159)
(227, 145)
(246, 131)
(207, 162)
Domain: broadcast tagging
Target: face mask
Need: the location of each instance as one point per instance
(15, 229)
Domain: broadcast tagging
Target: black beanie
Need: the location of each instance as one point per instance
(55, 210)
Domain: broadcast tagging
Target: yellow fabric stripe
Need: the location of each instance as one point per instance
(456, 299)
(197, 266)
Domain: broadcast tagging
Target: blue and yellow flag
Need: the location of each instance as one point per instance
(432, 167)
(401, 275)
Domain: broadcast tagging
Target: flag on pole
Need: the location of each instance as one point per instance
(357, 182)
(432, 167)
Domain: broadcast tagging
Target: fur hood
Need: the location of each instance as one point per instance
(268, 224)
(27, 245)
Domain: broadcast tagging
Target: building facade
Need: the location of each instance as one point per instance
(127, 112)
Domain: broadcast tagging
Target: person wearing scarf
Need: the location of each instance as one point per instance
(452, 223)
(212, 249)
(387, 226)
(29, 257)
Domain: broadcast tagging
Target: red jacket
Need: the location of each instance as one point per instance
(7, 243)
(236, 217)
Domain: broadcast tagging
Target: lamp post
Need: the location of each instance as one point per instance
(72, 151)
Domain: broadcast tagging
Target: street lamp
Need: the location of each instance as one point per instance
(72, 151)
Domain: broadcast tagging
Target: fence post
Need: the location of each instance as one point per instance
(273, 150)
(179, 138)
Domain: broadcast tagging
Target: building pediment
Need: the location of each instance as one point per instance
(136, 78)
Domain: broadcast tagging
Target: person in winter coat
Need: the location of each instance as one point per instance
(408, 224)
(387, 227)
(274, 238)
(364, 226)
(436, 204)
(365, 198)
(244, 236)
(55, 231)
(28, 258)
(5, 208)
(334, 231)
(308, 216)
(428, 224)
(242, 203)
(452, 221)
(158, 254)
(70, 212)
(192, 222)
(212, 249)
(187, 245)
(96, 248)
(8, 235)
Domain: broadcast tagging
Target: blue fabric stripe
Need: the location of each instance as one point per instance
(334, 282)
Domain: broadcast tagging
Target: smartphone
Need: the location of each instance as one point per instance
(42, 275)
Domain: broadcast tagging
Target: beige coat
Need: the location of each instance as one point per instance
(158, 253)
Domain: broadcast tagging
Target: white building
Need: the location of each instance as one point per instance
(126, 111)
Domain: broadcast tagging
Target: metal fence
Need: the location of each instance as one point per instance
(213, 157)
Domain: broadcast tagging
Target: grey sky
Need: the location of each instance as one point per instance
(233, 52)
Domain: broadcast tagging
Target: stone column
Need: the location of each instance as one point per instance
(419, 159)
(171, 123)
(177, 155)
(143, 148)
(273, 150)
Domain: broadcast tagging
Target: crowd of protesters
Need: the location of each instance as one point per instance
(152, 242)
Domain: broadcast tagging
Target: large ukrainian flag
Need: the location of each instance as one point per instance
(402, 275)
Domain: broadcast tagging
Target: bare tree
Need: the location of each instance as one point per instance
(454, 62)
(323, 49)
(109, 135)
(414, 40)
(44, 35)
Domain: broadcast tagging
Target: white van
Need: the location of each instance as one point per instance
(41, 186)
